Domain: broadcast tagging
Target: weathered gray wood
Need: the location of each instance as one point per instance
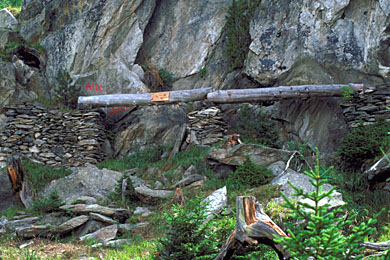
(276, 93)
(376, 246)
(144, 99)
(253, 226)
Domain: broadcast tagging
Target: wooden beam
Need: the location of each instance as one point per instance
(253, 226)
(276, 93)
(145, 99)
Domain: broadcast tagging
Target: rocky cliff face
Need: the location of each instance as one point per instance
(293, 42)
(298, 42)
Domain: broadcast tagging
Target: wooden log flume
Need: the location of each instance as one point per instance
(253, 226)
(282, 92)
(220, 96)
(146, 99)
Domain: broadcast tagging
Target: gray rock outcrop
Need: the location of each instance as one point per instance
(300, 42)
(97, 42)
(7, 20)
(88, 181)
(147, 126)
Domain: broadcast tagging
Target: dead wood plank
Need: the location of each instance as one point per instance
(376, 246)
(277, 93)
(253, 226)
(146, 98)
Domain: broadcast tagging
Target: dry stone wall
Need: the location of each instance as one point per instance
(367, 105)
(52, 137)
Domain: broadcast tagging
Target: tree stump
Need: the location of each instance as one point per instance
(15, 174)
(253, 226)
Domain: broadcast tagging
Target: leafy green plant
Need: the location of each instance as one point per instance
(14, 6)
(166, 77)
(187, 237)
(49, 204)
(202, 72)
(31, 255)
(249, 174)
(257, 127)
(38, 175)
(363, 143)
(347, 93)
(319, 232)
(66, 92)
(237, 31)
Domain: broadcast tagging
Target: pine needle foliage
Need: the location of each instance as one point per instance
(249, 174)
(319, 233)
(187, 236)
(67, 93)
(237, 31)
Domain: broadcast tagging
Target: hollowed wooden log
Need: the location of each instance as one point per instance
(253, 227)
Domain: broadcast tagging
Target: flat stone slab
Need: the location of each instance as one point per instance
(85, 209)
(70, 224)
(102, 218)
(103, 235)
(26, 222)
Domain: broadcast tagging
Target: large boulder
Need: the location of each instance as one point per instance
(86, 181)
(302, 181)
(306, 42)
(259, 154)
(96, 41)
(378, 175)
(149, 125)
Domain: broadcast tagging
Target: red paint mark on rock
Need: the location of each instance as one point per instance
(93, 86)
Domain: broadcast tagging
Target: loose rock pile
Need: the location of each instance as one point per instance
(84, 221)
(206, 127)
(52, 137)
(367, 105)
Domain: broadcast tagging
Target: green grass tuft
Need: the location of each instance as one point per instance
(38, 175)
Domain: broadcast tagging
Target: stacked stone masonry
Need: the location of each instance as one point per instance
(52, 137)
(367, 105)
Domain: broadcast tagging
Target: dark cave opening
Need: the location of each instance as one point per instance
(28, 55)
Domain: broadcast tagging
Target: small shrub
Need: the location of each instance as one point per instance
(66, 92)
(130, 195)
(319, 232)
(187, 237)
(347, 93)
(363, 143)
(49, 204)
(249, 174)
(257, 128)
(166, 77)
(237, 31)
